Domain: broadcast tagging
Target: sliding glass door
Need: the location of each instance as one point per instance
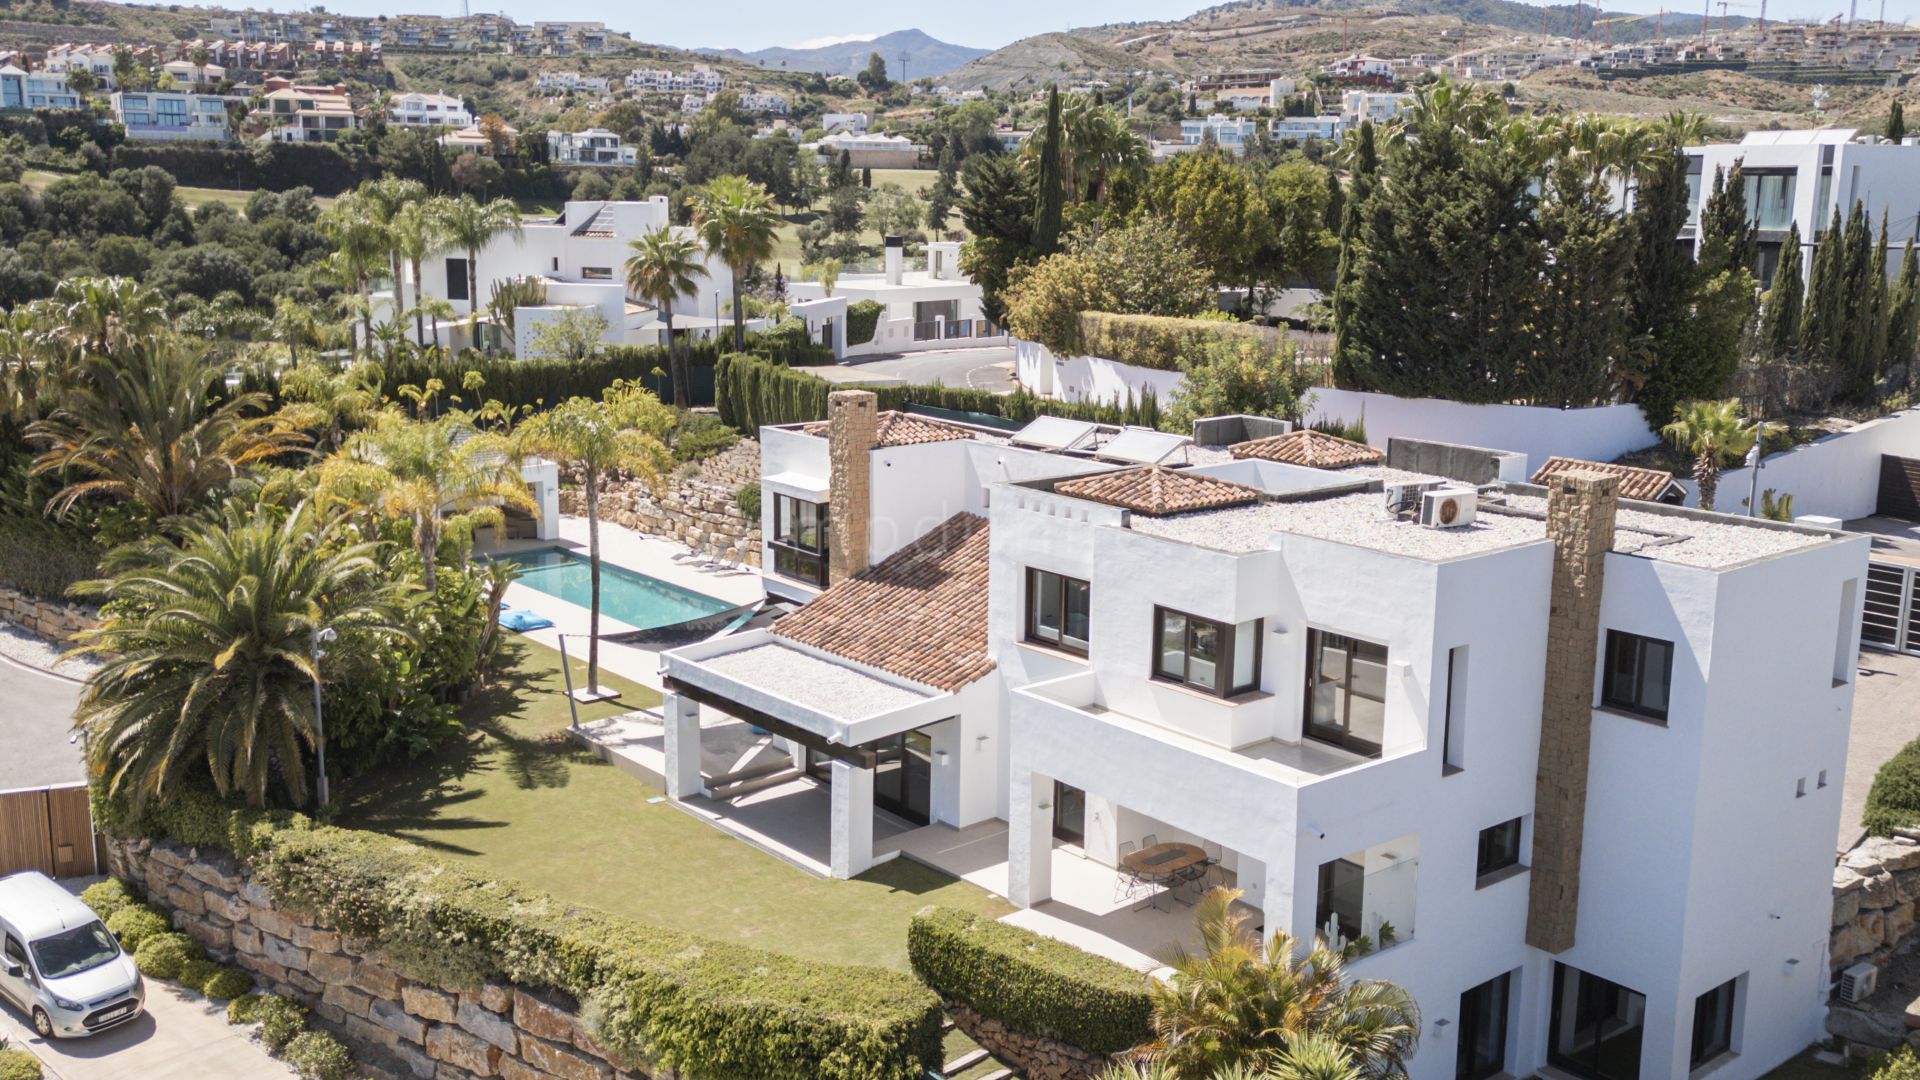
(1596, 1027)
(1483, 1029)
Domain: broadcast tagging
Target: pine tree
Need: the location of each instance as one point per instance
(1780, 322)
(1903, 322)
(1819, 326)
(1048, 193)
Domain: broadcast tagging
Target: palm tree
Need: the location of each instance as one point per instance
(385, 198)
(323, 399)
(1714, 434)
(417, 232)
(418, 470)
(206, 643)
(618, 433)
(508, 296)
(100, 314)
(660, 271)
(471, 225)
(736, 221)
(143, 427)
(1236, 1004)
(359, 238)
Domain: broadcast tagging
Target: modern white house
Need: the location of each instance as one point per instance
(871, 150)
(1303, 128)
(562, 81)
(1802, 177)
(1563, 765)
(22, 89)
(763, 101)
(428, 110)
(1227, 132)
(593, 146)
(855, 122)
(934, 305)
(172, 116)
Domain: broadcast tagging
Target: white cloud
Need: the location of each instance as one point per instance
(823, 42)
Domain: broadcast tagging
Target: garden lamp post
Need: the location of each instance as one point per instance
(316, 637)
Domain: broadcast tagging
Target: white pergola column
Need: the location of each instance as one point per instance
(1277, 901)
(1029, 839)
(851, 849)
(681, 717)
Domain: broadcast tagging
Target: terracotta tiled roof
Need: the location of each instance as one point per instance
(1635, 482)
(904, 429)
(1157, 491)
(921, 613)
(1315, 449)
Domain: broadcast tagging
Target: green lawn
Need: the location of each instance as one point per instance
(1805, 1068)
(521, 800)
(38, 179)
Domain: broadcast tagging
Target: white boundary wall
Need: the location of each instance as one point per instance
(1087, 378)
(1839, 476)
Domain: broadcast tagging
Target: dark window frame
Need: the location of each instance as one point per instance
(1716, 1040)
(1224, 684)
(1499, 851)
(1344, 737)
(1618, 642)
(457, 282)
(1593, 995)
(1035, 634)
(799, 555)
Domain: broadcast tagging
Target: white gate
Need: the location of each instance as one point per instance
(1891, 619)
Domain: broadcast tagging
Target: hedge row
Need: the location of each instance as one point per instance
(1893, 802)
(1156, 341)
(863, 317)
(652, 996)
(275, 166)
(1033, 984)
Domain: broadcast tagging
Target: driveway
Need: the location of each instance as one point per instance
(36, 728)
(1886, 717)
(989, 368)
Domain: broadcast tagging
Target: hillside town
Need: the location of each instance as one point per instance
(1272, 543)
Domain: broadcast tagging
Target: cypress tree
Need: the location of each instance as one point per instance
(1780, 321)
(1664, 281)
(1727, 234)
(1580, 307)
(1825, 290)
(1903, 322)
(1046, 215)
(1874, 297)
(1896, 122)
(1366, 167)
(1851, 357)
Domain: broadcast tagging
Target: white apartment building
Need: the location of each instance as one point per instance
(562, 81)
(428, 110)
(763, 101)
(872, 150)
(1802, 177)
(1381, 108)
(1302, 128)
(593, 146)
(172, 116)
(20, 89)
(1228, 133)
(96, 60)
(661, 81)
(1570, 763)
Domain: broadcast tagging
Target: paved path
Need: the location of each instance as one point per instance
(989, 368)
(182, 1037)
(35, 726)
(1886, 717)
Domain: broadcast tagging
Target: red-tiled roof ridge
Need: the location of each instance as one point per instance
(920, 613)
(1158, 491)
(1636, 482)
(895, 428)
(1315, 449)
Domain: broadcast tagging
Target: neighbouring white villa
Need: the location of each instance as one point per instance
(1554, 754)
(570, 81)
(22, 89)
(428, 110)
(580, 256)
(868, 150)
(935, 305)
(472, 140)
(169, 115)
(593, 146)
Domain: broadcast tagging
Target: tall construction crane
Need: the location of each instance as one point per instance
(1608, 23)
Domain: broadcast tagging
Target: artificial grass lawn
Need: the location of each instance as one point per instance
(1805, 1068)
(520, 799)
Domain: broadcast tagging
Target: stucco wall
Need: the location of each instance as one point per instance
(1838, 476)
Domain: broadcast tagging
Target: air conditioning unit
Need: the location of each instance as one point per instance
(1403, 499)
(1858, 983)
(1448, 508)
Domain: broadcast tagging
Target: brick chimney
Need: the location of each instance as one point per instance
(853, 430)
(1580, 516)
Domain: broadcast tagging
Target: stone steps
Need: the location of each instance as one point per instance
(964, 1062)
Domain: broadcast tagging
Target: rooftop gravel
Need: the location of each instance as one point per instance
(1689, 541)
(805, 679)
(1358, 519)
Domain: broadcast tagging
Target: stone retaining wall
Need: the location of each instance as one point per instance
(1038, 1058)
(398, 1028)
(54, 620)
(700, 510)
(1876, 897)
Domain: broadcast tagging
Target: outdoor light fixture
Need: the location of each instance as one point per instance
(940, 756)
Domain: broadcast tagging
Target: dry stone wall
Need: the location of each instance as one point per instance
(700, 510)
(1876, 897)
(53, 620)
(1036, 1057)
(397, 1027)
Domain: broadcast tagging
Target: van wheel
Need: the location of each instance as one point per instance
(43, 1023)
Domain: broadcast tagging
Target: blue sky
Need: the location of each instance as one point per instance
(752, 24)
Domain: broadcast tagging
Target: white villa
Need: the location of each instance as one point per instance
(934, 306)
(171, 116)
(21, 89)
(428, 110)
(561, 81)
(593, 146)
(869, 150)
(1465, 718)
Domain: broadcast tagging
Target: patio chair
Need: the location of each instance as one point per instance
(729, 560)
(1149, 840)
(1127, 885)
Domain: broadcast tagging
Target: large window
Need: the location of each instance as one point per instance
(1057, 610)
(1346, 691)
(1596, 1026)
(1483, 1029)
(1218, 658)
(1499, 850)
(456, 279)
(800, 540)
(1639, 675)
(1713, 1023)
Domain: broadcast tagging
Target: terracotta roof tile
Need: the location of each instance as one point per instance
(1157, 491)
(1635, 482)
(904, 429)
(1315, 449)
(920, 613)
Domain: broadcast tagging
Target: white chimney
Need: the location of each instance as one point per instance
(896, 259)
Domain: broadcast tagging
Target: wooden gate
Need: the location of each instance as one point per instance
(49, 830)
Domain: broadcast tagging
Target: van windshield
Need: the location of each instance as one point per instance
(71, 952)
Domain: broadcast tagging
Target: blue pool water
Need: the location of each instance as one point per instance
(641, 602)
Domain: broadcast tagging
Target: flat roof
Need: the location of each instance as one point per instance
(836, 690)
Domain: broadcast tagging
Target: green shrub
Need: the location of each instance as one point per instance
(748, 500)
(226, 982)
(195, 973)
(108, 897)
(1902, 1064)
(280, 1019)
(863, 318)
(1893, 801)
(700, 436)
(1032, 984)
(244, 1009)
(162, 956)
(19, 1065)
(1156, 341)
(134, 925)
(1339, 428)
(316, 1055)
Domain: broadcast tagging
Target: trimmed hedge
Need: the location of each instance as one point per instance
(649, 994)
(108, 897)
(1157, 341)
(1033, 984)
(863, 318)
(1893, 802)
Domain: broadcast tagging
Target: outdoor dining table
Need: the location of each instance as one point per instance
(1162, 864)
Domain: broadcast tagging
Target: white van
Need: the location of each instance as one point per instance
(59, 964)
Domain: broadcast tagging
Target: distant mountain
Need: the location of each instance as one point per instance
(926, 56)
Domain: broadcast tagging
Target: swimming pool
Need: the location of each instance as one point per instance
(641, 602)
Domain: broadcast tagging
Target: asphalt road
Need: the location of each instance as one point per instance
(36, 723)
(989, 368)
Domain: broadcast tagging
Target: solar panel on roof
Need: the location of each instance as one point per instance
(1055, 433)
(1142, 446)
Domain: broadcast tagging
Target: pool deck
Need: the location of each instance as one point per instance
(642, 554)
